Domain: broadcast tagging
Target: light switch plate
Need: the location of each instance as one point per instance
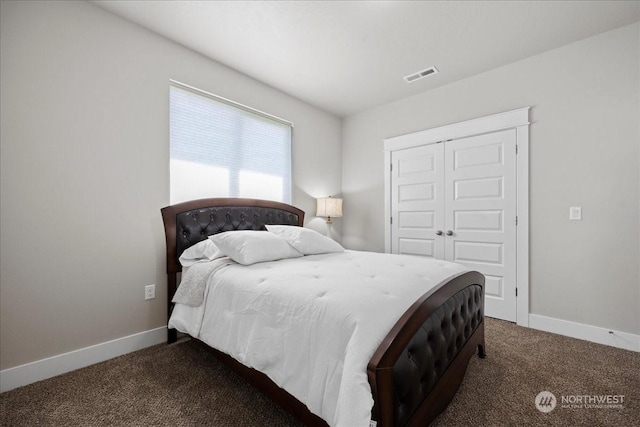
(575, 213)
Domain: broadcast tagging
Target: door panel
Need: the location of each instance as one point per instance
(417, 182)
(480, 210)
(478, 189)
(424, 247)
(491, 154)
(416, 192)
(417, 164)
(417, 219)
(478, 220)
(493, 287)
(477, 252)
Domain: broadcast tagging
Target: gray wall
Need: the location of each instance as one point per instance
(584, 141)
(85, 171)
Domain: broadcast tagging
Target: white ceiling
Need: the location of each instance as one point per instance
(348, 56)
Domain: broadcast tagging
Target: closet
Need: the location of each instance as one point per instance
(452, 194)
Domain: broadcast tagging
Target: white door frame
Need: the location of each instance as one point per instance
(515, 119)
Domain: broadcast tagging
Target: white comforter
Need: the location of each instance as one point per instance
(313, 323)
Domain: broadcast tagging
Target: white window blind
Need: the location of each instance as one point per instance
(222, 149)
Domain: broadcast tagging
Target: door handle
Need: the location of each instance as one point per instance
(439, 233)
(449, 233)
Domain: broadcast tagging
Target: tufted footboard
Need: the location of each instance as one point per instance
(419, 366)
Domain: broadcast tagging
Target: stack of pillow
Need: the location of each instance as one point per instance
(248, 247)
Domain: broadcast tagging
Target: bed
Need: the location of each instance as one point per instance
(421, 359)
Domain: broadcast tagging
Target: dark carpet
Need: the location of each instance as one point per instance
(184, 385)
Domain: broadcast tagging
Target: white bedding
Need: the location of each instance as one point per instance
(313, 323)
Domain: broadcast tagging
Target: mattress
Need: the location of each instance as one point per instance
(312, 324)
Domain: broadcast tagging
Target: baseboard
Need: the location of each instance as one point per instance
(581, 331)
(52, 366)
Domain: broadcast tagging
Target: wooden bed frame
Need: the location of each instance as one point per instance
(418, 367)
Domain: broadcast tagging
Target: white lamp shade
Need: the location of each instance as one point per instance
(329, 207)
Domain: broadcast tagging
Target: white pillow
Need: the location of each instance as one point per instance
(200, 252)
(248, 247)
(306, 240)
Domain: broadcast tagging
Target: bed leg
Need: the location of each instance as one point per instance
(481, 353)
(172, 336)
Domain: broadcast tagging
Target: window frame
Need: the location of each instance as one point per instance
(246, 108)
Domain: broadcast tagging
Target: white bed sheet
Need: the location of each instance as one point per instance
(313, 323)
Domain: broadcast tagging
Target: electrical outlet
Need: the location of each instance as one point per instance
(149, 292)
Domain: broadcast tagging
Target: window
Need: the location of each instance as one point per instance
(219, 148)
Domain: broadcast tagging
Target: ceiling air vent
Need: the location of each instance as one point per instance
(420, 74)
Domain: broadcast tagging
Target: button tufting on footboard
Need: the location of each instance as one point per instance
(432, 349)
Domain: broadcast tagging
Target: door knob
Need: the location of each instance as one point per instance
(449, 233)
(439, 233)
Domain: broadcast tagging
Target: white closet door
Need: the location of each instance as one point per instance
(480, 214)
(417, 197)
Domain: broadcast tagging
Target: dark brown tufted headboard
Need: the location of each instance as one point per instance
(188, 223)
